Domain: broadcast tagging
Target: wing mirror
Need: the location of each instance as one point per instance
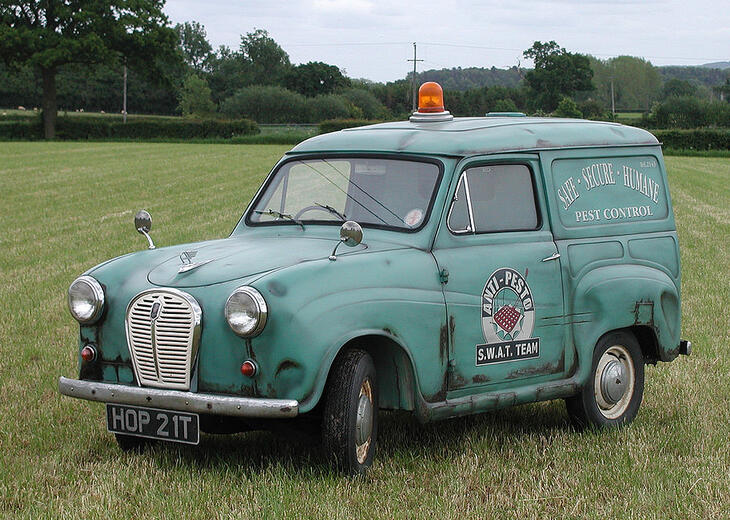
(143, 224)
(350, 235)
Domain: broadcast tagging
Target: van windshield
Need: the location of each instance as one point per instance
(375, 192)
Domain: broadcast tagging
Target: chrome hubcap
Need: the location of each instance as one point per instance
(614, 382)
(364, 421)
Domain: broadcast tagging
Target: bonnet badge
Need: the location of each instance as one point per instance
(186, 257)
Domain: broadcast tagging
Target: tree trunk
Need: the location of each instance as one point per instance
(49, 102)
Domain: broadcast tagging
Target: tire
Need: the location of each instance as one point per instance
(132, 443)
(350, 413)
(613, 393)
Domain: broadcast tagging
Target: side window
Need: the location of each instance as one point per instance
(494, 198)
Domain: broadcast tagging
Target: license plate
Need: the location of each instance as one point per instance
(152, 423)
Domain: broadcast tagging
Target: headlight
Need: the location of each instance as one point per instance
(246, 312)
(85, 299)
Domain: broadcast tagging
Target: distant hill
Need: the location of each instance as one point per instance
(703, 75)
(717, 65)
(709, 74)
(472, 77)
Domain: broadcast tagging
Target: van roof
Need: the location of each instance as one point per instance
(465, 136)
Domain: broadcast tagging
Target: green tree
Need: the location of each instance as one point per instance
(195, 97)
(636, 83)
(677, 88)
(48, 34)
(266, 61)
(194, 45)
(315, 78)
(228, 73)
(724, 91)
(557, 73)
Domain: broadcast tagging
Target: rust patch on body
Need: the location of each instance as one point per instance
(443, 343)
(457, 380)
(541, 370)
(285, 365)
(480, 379)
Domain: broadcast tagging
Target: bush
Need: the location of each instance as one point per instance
(592, 109)
(689, 112)
(144, 128)
(267, 105)
(505, 105)
(678, 112)
(363, 99)
(329, 106)
(567, 108)
(335, 125)
(275, 105)
(27, 129)
(695, 139)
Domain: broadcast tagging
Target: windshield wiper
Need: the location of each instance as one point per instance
(278, 214)
(332, 210)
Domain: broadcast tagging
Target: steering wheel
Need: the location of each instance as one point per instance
(312, 208)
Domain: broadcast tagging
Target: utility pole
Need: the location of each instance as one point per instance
(613, 104)
(124, 102)
(415, 92)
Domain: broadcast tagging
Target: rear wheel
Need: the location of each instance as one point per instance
(614, 391)
(350, 419)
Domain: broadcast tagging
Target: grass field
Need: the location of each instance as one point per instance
(68, 206)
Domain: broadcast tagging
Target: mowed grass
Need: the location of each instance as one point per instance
(68, 206)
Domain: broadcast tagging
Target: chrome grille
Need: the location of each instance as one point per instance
(163, 331)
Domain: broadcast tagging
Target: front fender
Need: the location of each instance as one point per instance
(317, 307)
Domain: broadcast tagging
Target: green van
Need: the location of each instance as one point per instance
(444, 266)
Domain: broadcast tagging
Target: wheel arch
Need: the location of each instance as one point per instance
(396, 376)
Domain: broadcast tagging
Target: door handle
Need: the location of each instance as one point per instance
(554, 256)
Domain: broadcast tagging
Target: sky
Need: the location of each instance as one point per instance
(373, 39)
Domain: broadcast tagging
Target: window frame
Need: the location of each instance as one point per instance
(463, 177)
(314, 156)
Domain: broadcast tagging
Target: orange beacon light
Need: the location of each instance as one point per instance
(430, 97)
(430, 104)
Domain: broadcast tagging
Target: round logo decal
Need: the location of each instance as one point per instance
(508, 311)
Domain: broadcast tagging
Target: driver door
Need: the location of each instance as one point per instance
(504, 291)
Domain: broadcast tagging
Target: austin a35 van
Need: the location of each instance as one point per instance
(445, 266)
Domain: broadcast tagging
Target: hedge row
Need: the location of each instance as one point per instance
(335, 125)
(147, 128)
(696, 139)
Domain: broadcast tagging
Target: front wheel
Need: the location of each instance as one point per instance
(614, 391)
(350, 421)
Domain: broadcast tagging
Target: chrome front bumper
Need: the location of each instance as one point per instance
(177, 400)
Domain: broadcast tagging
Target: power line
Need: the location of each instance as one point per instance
(342, 44)
(487, 47)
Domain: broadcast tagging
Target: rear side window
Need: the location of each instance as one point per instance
(494, 198)
(612, 190)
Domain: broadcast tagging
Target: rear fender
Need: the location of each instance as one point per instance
(625, 296)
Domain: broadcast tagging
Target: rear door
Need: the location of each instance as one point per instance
(504, 292)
